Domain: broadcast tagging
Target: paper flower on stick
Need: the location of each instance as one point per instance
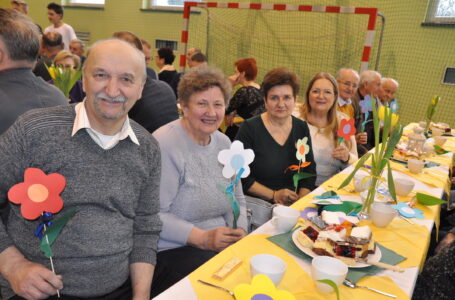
(346, 130)
(236, 158)
(261, 288)
(302, 149)
(366, 105)
(38, 193)
(394, 106)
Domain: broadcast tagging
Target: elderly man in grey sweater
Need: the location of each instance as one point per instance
(112, 168)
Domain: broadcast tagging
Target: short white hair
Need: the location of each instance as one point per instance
(369, 76)
(340, 72)
(385, 79)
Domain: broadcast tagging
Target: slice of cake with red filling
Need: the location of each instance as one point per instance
(310, 231)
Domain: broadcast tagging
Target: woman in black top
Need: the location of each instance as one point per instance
(248, 101)
(273, 136)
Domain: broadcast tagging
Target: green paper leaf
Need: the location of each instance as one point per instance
(52, 232)
(390, 182)
(439, 150)
(328, 194)
(299, 176)
(347, 207)
(333, 285)
(428, 200)
(360, 163)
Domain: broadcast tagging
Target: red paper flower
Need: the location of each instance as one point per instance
(347, 129)
(38, 193)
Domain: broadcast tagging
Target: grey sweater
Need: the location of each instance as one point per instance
(188, 193)
(116, 191)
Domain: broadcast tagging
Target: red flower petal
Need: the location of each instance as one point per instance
(33, 208)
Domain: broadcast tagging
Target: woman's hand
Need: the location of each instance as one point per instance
(361, 138)
(341, 153)
(285, 197)
(219, 238)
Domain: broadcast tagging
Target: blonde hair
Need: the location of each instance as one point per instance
(332, 116)
(65, 54)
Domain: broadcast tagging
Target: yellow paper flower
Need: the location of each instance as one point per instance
(302, 149)
(261, 288)
(383, 111)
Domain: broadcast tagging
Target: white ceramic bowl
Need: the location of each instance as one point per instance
(284, 218)
(440, 140)
(325, 267)
(403, 186)
(415, 165)
(269, 265)
(382, 214)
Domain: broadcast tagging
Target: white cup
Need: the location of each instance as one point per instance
(269, 265)
(440, 140)
(423, 124)
(326, 267)
(361, 181)
(436, 131)
(415, 165)
(428, 149)
(284, 218)
(403, 186)
(382, 214)
(418, 129)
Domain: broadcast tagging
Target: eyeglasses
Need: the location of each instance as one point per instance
(347, 83)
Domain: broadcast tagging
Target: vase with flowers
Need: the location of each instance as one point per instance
(377, 159)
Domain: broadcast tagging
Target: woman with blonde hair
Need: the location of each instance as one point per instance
(69, 61)
(323, 119)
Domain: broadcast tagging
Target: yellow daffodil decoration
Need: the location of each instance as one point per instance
(63, 78)
(383, 111)
(261, 288)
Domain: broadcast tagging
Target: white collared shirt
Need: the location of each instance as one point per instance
(106, 142)
(342, 102)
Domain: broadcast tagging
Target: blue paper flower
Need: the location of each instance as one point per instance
(394, 106)
(365, 104)
(408, 212)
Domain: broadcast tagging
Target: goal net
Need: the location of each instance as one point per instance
(306, 39)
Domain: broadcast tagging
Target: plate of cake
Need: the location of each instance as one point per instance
(327, 235)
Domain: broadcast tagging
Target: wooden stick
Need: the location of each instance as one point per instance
(50, 258)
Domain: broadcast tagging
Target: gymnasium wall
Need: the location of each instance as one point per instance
(413, 54)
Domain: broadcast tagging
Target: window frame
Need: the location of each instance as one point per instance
(70, 3)
(431, 19)
(148, 5)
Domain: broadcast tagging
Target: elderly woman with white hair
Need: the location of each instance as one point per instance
(196, 215)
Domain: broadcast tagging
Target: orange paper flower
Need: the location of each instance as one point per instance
(38, 193)
(347, 129)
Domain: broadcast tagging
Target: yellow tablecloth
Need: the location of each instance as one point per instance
(295, 280)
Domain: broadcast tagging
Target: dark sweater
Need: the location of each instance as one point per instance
(116, 190)
(271, 159)
(21, 91)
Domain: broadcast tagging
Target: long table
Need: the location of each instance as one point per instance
(408, 240)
